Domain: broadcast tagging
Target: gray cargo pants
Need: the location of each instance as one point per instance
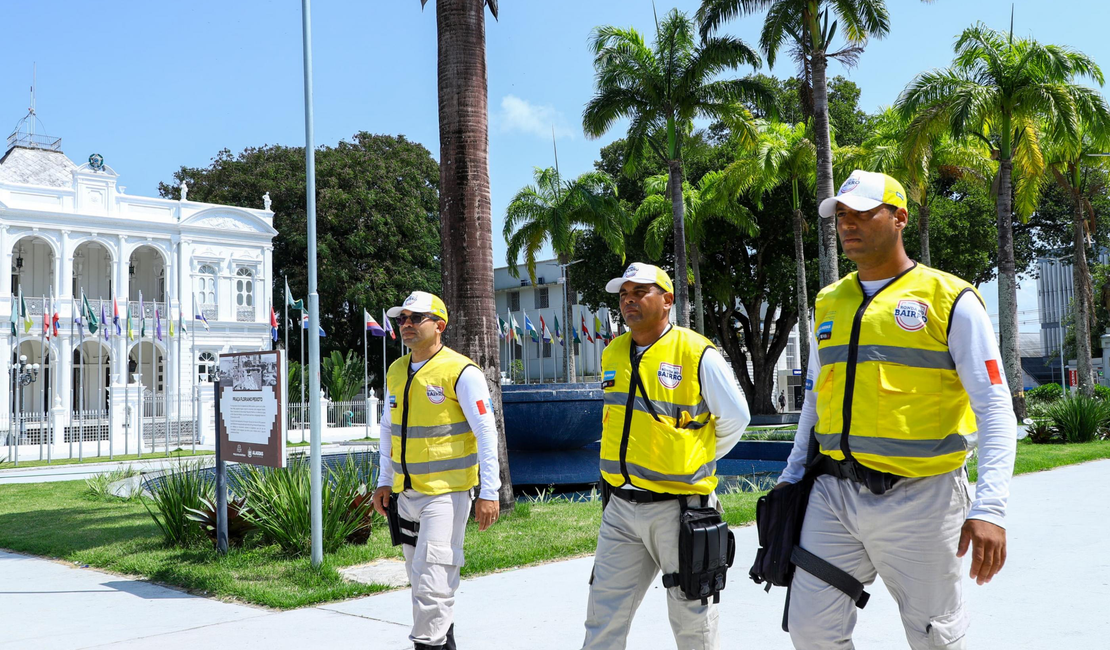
(909, 536)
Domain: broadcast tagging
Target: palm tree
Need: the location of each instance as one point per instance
(783, 154)
(805, 26)
(1071, 164)
(555, 211)
(341, 376)
(707, 202)
(1004, 91)
(466, 226)
(661, 89)
(914, 161)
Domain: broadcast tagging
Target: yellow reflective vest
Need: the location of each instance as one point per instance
(888, 393)
(657, 431)
(433, 448)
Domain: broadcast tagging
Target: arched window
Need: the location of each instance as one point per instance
(244, 288)
(206, 285)
(206, 367)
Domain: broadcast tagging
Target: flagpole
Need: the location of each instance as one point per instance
(42, 366)
(302, 375)
(165, 373)
(142, 398)
(196, 377)
(365, 378)
(125, 362)
(385, 363)
(81, 396)
(286, 378)
(53, 378)
(99, 387)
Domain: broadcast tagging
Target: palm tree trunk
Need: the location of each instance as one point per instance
(568, 313)
(699, 311)
(1007, 287)
(1083, 299)
(681, 284)
(464, 201)
(923, 223)
(803, 297)
(827, 257)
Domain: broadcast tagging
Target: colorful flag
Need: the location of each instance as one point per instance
(544, 333)
(273, 324)
(599, 333)
(169, 321)
(518, 336)
(304, 324)
(55, 318)
(558, 332)
(586, 330)
(181, 322)
(103, 321)
(203, 320)
(531, 329)
(372, 325)
(388, 326)
(45, 318)
(157, 323)
(295, 304)
(130, 331)
(15, 317)
(26, 316)
(76, 318)
(89, 315)
(502, 328)
(142, 318)
(115, 316)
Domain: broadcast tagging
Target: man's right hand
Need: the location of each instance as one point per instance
(381, 498)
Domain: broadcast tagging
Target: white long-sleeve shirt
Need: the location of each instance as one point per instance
(972, 343)
(471, 390)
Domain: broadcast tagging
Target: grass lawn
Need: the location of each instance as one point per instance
(176, 453)
(59, 520)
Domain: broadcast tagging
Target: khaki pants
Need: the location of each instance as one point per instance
(433, 565)
(635, 542)
(909, 536)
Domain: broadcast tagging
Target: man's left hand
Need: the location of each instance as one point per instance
(988, 548)
(486, 512)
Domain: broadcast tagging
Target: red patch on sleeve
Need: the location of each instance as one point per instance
(482, 406)
(992, 370)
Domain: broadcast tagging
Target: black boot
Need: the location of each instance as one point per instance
(448, 645)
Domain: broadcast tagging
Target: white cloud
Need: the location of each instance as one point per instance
(520, 115)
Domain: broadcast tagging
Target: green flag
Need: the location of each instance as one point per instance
(90, 315)
(295, 304)
(23, 309)
(15, 318)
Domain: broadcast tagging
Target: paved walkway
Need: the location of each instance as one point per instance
(1053, 593)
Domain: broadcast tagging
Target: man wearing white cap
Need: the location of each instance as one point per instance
(904, 381)
(672, 409)
(438, 440)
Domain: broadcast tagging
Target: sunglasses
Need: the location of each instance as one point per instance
(415, 319)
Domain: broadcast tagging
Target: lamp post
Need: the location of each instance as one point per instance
(568, 336)
(23, 374)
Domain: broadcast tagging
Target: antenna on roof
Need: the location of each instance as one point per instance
(24, 134)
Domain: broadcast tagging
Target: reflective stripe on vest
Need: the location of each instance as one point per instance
(433, 448)
(887, 376)
(664, 441)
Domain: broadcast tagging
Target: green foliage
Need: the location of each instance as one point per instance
(341, 377)
(1102, 393)
(517, 371)
(1045, 393)
(1080, 418)
(1042, 432)
(238, 525)
(98, 485)
(377, 219)
(278, 501)
(182, 488)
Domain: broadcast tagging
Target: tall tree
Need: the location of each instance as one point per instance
(707, 202)
(661, 89)
(1003, 90)
(466, 225)
(805, 25)
(915, 160)
(553, 211)
(1073, 166)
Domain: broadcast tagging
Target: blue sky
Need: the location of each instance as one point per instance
(153, 86)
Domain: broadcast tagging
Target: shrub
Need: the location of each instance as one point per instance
(1042, 432)
(1102, 392)
(180, 489)
(1045, 393)
(237, 523)
(1079, 418)
(99, 485)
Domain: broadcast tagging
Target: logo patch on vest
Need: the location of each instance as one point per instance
(435, 394)
(610, 379)
(670, 375)
(911, 315)
(824, 331)
(392, 401)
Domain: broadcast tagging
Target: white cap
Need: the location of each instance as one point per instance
(423, 302)
(865, 191)
(641, 274)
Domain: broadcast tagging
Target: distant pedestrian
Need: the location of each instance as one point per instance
(782, 402)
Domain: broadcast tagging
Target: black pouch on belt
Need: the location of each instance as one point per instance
(401, 531)
(706, 548)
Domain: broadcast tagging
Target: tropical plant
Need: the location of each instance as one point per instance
(553, 211)
(1008, 92)
(1042, 432)
(99, 485)
(661, 89)
(1071, 163)
(517, 372)
(342, 376)
(708, 201)
(466, 226)
(914, 162)
(238, 525)
(805, 26)
(1044, 393)
(180, 489)
(1079, 418)
(1102, 392)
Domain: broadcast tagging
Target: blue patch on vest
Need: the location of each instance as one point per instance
(809, 384)
(824, 331)
(392, 401)
(610, 374)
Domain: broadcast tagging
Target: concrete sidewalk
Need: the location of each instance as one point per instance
(1052, 594)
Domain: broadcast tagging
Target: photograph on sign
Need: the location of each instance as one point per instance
(252, 427)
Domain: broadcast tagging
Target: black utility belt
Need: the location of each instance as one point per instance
(643, 496)
(876, 481)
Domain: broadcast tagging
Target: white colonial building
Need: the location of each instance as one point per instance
(68, 230)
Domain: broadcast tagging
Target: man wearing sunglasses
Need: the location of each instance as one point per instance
(438, 441)
(904, 381)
